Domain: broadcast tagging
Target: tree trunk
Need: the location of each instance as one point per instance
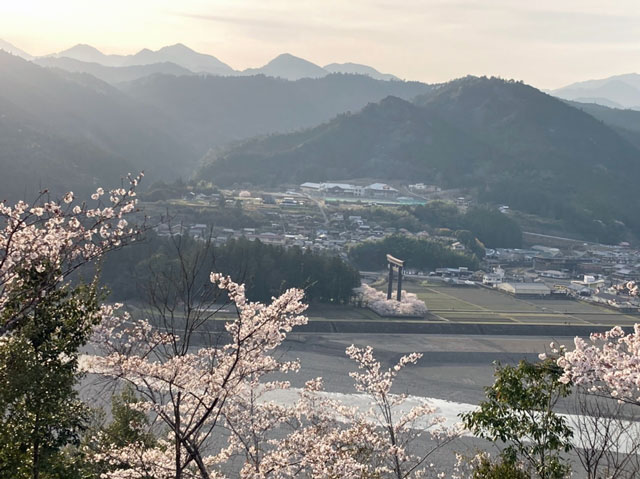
(177, 439)
(35, 457)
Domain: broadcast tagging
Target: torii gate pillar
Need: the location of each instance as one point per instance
(399, 264)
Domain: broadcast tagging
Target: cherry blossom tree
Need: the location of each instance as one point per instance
(331, 439)
(215, 405)
(189, 390)
(321, 438)
(607, 364)
(45, 320)
(410, 304)
(605, 370)
(399, 431)
(56, 238)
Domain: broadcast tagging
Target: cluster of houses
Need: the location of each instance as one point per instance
(593, 272)
(290, 228)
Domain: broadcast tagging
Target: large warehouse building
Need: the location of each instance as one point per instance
(525, 289)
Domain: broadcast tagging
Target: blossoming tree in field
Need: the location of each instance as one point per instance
(410, 305)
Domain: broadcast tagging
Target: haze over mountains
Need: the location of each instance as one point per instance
(619, 91)
(74, 123)
(161, 123)
(212, 111)
(179, 59)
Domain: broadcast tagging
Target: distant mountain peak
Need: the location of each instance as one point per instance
(289, 67)
(359, 69)
(621, 90)
(81, 48)
(86, 53)
(84, 47)
(288, 57)
(8, 47)
(177, 47)
(184, 56)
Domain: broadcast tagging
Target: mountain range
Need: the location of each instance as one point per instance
(51, 115)
(619, 91)
(179, 59)
(74, 124)
(9, 48)
(212, 111)
(160, 123)
(177, 54)
(507, 142)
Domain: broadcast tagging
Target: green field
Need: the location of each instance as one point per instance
(477, 304)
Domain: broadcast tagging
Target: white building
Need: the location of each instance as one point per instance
(555, 274)
(590, 282)
(494, 278)
(525, 289)
(422, 188)
(380, 190)
(324, 189)
(311, 188)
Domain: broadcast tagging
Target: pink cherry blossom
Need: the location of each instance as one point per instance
(57, 237)
(608, 363)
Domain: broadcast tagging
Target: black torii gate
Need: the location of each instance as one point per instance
(399, 264)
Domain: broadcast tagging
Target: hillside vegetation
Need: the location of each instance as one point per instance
(507, 141)
(73, 131)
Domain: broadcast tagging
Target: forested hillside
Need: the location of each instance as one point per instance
(79, 131)
(67, 125)
(266, 270)
(211, 111)
(393, 139)
(507, 141)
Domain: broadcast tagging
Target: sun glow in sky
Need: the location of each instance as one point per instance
(547, 43)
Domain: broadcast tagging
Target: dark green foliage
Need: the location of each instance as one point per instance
(492, 228)
(393, 139)
(417, 253)
(392, 217)
(626, 121)
(479, 227)
(502, 469)
(439, 214)
(266, 270)
(128, 424)
(505, 141)
(40, 412)
(473, 244)
(519, 412)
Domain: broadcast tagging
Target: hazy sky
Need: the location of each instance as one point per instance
(547, 43)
